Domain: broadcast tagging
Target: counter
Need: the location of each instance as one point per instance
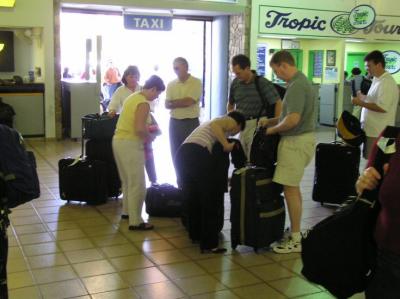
(28, 103)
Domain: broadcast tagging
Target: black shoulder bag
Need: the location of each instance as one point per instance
(263, 152)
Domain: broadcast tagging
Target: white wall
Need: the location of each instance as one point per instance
(39, 13)
(171, 4)
(28, 14)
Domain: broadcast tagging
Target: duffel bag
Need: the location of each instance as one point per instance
(164, 200)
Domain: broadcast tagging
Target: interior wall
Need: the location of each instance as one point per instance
(237, 7)
(30, 14)
(308, 45)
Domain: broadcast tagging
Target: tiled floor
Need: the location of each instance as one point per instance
(60, 250)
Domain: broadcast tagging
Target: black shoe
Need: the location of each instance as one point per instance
(141, 226)
(217, 250)
(124, 216)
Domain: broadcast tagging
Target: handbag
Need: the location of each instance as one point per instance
(339, 252)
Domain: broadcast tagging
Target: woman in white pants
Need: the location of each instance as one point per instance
(130, 134)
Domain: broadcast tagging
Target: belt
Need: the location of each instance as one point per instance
(251, 117)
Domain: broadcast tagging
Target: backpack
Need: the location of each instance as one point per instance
(7, 114)
(17, 169)
(365, 85)
(268, 109)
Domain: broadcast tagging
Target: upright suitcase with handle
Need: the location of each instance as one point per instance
(81, 180)
(99, 127)
(257, 208)
(101, 150)
(336, 172)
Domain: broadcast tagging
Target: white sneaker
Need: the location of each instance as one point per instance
(287, 246)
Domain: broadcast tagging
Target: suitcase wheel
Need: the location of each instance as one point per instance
(234, 245)
(255, 249)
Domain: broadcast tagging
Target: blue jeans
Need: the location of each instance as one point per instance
(385, 284)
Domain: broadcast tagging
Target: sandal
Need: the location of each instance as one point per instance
(142, 226)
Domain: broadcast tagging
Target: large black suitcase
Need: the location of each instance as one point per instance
(101, 150)
(257, 208)
(81, 180)
(336, 172)
(164, 200)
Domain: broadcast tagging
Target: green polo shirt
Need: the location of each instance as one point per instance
(300, 98)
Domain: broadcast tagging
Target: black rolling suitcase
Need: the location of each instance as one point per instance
(164, 200)
(257, 208)
(99, 127)
(81, 180)
(101, 150)
(336, 172)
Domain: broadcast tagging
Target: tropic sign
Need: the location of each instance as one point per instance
(392, 61)
(341, 25)
(362, 16)
(360, 22)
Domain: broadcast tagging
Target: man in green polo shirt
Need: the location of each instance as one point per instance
(296, 125)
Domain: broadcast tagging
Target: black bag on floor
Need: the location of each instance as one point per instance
(336, 172)
(101, 150)
(257, 208)
(164, 200)
(95, 126)
(81, 180)
(17, 169)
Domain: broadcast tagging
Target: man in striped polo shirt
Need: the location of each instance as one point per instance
(244, 97)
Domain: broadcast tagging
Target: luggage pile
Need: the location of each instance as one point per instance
(93, 177)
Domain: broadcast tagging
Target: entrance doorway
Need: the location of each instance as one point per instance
(152, 51)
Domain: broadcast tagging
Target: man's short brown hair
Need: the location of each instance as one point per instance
(282, 56)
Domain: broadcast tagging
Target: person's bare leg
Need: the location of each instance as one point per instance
(294, 203)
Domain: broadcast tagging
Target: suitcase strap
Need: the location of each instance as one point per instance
(242, 206)
(262, 182)
(272, 213)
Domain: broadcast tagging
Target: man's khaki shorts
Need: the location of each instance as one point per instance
(294, 154)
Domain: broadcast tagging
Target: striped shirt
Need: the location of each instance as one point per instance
(203, 136)
(247, 99)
